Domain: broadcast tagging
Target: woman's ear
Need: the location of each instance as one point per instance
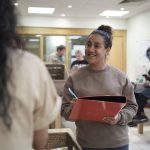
(108, 50)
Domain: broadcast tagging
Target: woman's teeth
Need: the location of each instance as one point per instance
(91, 54)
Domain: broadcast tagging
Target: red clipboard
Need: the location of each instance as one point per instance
(96, 108)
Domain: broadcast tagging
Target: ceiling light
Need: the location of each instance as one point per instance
(74, 37)
(63, 15)
(16, 4)
(69, 6)
(34, 40)
(37, 35)
(113, 13)
(41, 10)
(121, 8)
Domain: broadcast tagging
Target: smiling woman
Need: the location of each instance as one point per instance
(98, 47)
(99, 78)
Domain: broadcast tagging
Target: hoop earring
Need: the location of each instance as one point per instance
(107, 55)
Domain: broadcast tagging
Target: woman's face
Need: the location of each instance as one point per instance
(79, 56)
(95, 51)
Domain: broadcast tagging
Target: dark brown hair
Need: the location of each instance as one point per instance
(106, 32)
(7, 35)
(60, 47)
(148, 53)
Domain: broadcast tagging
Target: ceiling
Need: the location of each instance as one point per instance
(85, 8)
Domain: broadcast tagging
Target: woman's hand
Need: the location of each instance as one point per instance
(69, 107)
(72, 103)
(111, 120)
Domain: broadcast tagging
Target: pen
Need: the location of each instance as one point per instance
(72, 93)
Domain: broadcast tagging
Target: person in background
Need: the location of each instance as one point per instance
(142, 94)
(28, 98)
(58, 56)
(79, 62)
(99, 78)
(148, 53)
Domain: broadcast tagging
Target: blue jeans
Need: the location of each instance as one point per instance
(126, 147)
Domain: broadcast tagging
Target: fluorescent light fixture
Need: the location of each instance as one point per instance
(69, 6)
(34, 40)
(41, 10)
(122, 8)
(74, 37)
(37, 35)
(113, 13)
(16, 4)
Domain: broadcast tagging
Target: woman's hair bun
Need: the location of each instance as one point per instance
(106, 29)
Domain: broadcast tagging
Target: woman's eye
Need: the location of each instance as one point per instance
(97, 46)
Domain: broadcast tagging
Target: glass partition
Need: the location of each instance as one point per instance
(76, 43)
(45, 44)
(50, 45)
(31, 43)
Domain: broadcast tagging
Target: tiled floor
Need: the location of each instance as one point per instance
(140, 141)
(137, 141)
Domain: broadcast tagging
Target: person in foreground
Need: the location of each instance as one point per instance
(28, 98)
(99, 78)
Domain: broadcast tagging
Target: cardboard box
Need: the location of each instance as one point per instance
(96, 108)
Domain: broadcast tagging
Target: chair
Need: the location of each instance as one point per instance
(141, 125)
(62, 137)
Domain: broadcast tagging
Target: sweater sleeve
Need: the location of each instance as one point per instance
(66, 101)
(129, 111)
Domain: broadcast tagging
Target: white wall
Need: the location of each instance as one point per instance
(138, 38)
(63, 22)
